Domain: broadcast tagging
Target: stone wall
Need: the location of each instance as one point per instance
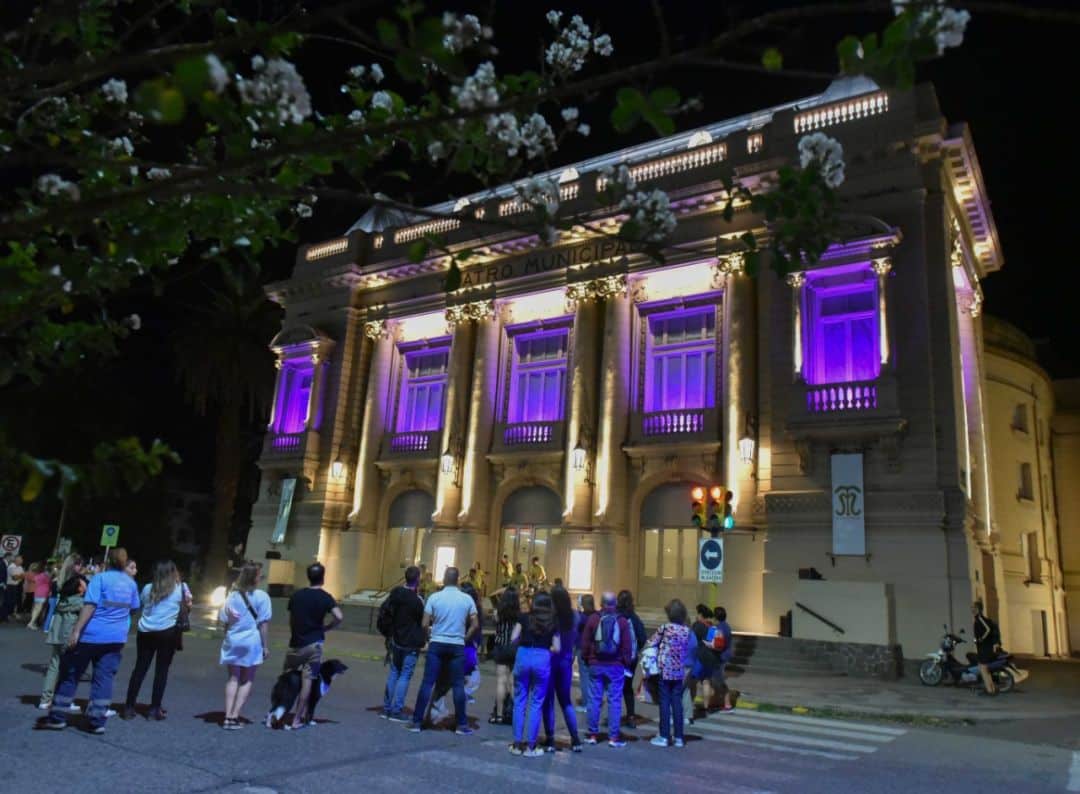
(860, 660)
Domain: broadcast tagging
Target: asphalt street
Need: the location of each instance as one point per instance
(351, 749)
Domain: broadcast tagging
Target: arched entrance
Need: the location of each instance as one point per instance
(408, 526)
(530, 519)
(669, 546)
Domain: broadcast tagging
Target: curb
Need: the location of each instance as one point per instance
(831, 712)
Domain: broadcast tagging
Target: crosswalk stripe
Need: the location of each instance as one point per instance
(517, 771)
(766, 716)
(849, 733)
(807, 741)
(781, 748)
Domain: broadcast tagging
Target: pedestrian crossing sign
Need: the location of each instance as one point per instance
(110, 535)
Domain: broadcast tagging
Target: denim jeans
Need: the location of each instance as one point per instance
(106, 660)
(583, 681)
(671, 707)
(402, 665)
(606, 676)
(560, 686)
(440, 654)
(532, 672)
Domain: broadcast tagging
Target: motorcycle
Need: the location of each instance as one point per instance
(942, 663)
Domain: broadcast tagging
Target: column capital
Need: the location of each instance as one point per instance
(596, 289)
(881, 266)
(733, 264)
(796, 279)
(465, 312)
(375, 329)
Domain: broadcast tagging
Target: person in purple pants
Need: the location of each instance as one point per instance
(536, 639)
(606, 648)
(562, 672)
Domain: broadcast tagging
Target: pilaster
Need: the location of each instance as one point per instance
(455, 420)
(476, 479)
(581, 418)
(611, 495)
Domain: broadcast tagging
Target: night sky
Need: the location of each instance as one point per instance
(1013, 82)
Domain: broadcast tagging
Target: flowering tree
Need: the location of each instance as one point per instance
(139, 140)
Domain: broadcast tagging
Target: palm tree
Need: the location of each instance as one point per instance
(224, 364)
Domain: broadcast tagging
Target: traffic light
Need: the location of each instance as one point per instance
(729, 512)
(697, 506)
(716, 494)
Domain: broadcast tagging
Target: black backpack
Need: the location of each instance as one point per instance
(384, 621)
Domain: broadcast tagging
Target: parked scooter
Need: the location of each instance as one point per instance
(942, 663)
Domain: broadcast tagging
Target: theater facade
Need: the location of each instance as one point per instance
(564, 402)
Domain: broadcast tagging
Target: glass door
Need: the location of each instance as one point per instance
(523, 543)
(669, 566)
(403, 545)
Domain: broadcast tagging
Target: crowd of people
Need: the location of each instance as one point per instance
(538, 636)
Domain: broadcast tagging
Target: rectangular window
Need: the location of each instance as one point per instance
(538, 376)
(841, 327)
(652, 553)
(581, 570)
(444, 558)
(1025, 490)
(681, 363)
(1020, 418)
(1030, 550)
(295, 397)
(423, 389)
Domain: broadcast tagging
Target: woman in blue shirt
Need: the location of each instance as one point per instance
(158, 635)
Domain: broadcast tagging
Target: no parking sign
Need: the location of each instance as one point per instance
(10, 544)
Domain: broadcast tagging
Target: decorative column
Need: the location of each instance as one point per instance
(797, 282)
(476, 475)
(881, 268)
(581, 419)
(278, 366)
(610, 492)
(317, 373)
(455, 416)
(376, 404)
(740, 392)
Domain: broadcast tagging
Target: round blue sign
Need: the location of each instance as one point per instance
(712, 554)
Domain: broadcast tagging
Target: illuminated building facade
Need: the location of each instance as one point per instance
(564, 402)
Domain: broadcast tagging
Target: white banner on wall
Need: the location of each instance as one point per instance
(848, 524)
(288, 487)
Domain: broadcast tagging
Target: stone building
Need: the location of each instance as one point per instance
(567, 399)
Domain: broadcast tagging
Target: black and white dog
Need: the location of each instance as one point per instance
(287, 689)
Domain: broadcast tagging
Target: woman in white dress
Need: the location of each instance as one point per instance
(245, 614)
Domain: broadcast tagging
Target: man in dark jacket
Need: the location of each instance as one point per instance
(405, 642)
(987, 639)
(606, 646)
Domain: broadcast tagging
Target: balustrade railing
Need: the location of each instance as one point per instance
(676, 422)
(837, 397)
(287, 442)
(527, 433)
(413, 441)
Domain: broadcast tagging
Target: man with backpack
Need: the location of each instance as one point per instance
(606, 646)
(718, 642)
(400, 621)
(987, 639)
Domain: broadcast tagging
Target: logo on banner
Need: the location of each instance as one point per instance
(847, 501)
(848, 506)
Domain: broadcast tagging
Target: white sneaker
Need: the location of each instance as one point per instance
(109, 713)
(680, 743)
(44, 705)
(74, 708)
(658, 741)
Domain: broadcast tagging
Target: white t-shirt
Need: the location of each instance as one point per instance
(450, 610)
(12, 572)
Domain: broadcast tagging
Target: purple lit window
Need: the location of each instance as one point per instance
(681, 364)
(841, 344)
(538, 380)
(294, 394)
(423, 390)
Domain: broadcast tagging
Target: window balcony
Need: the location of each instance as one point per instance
(529, 436)
(856, 411)
(285, 446)
(675, 426)
(412, 444)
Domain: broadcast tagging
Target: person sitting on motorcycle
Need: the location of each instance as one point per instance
(987, 640)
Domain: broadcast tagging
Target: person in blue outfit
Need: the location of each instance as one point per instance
(245, 614)
(562, 671)
(98, 638)
(537, 638)
(607, 648)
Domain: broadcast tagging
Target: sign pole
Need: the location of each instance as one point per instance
(60, 525)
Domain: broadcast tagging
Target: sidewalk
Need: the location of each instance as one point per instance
(1052, 691)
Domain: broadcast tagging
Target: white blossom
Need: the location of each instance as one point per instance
(569, 114)
(66, 287)
(115, 91)
(157, 174)
(817, 147)
(574, 43)
(55, 271)
(382, 100)
(584, 129)
(219, 77)
(945, 24)
(302, 210)
(122, 145)
(541, 195)
(504, 128)
(618, 179)
(376, 73)
(356, 116)
(133, 170)
(134, 321)
(463, 32)
(651, 213)
(477, 90)
(242, 242)
(436, 150)
(276, 83)
(55, 185)
(536, 136)
(358, 71)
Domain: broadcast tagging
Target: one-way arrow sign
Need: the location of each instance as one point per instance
(711, 560)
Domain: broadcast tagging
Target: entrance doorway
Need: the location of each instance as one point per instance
(409, 526)
(525, 542)
(669, 565)
(530, 520)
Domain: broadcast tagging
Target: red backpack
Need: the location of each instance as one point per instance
(715, 639)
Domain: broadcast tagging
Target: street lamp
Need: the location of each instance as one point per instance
(337, 470)
(579, 456)
(746, 449)
(447, 461)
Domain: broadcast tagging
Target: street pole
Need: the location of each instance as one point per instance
(60, 526)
